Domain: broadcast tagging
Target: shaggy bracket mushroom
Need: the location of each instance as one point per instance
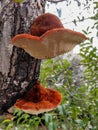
(38, 100)
(47, 39)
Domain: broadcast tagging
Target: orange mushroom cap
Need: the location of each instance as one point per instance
(51, 38)
(39, 100)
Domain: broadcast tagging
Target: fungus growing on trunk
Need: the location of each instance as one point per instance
(48, 38)
(38, 100)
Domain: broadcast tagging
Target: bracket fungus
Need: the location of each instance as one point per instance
(48, 38)
(38, 100)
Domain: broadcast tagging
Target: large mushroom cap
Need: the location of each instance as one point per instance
(39, 100)
(44, 23)
(51, 39)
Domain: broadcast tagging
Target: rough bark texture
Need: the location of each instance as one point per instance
(18, 70)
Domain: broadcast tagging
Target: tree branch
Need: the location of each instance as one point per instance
(55, 1)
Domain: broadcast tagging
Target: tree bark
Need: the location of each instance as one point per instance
(18, 70)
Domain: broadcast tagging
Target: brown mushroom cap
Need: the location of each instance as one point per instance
(44, 23)
(39, 100)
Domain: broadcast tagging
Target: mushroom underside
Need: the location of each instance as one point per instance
(51, 44)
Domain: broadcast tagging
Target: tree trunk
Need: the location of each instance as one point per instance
(18, 70)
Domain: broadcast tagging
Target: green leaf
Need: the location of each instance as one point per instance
(48, 118)
(19, 1)
(6, 121)
(52, 126)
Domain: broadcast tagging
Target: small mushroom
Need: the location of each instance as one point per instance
(38, 100)
(48, 38)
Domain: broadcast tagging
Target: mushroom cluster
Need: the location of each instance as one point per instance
(47, 39)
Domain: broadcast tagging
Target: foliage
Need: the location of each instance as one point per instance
(90, 58)
(95, 17)
(59, 70)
